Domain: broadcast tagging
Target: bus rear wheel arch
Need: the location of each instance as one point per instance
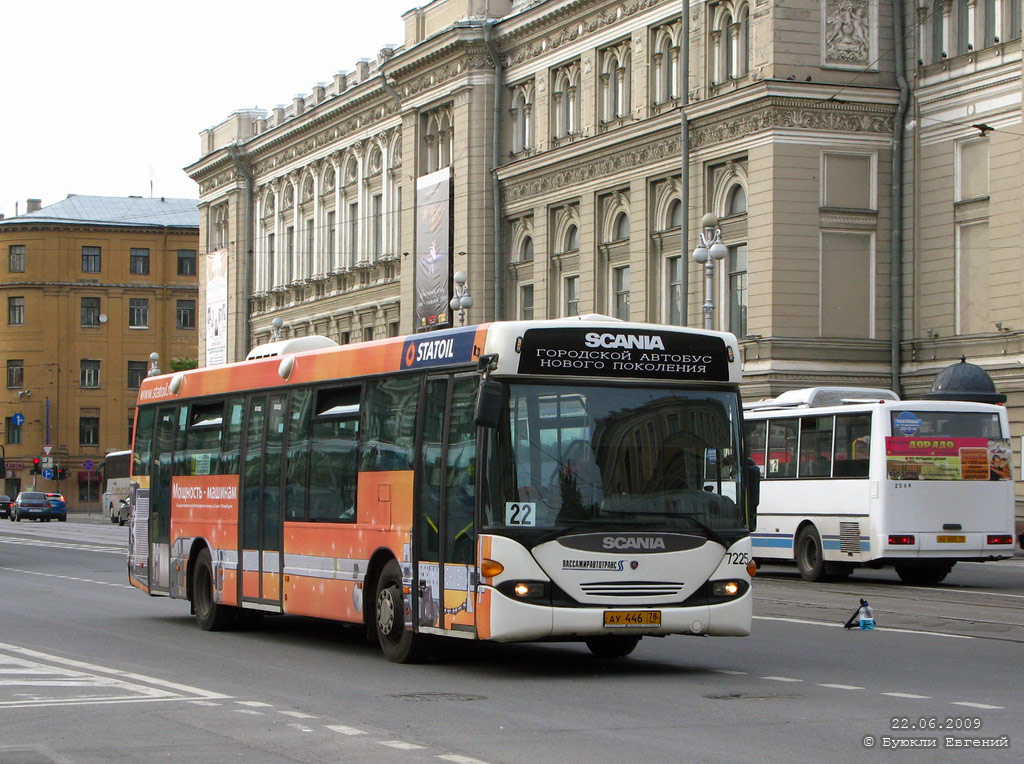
(399, 644)
(210, 615)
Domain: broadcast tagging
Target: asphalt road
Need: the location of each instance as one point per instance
(92, 670)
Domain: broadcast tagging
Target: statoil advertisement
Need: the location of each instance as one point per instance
(929, 458)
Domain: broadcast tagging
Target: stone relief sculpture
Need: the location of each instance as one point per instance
(848, 32)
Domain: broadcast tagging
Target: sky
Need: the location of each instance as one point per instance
(107, 97)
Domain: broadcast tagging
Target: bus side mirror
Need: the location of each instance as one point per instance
(489, 399)
(753, 490)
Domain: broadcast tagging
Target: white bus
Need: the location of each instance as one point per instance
(117, 467)
(570, 480)
(857, 477)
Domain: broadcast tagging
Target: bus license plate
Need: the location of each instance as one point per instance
(626, 618)
(952, 539)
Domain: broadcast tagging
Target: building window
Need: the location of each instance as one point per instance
(367, 333)
(620, 231)
(674, 292)
(186, 314)
(186, 262)
(90, 373)
(15, 311)
(91, 259)
(738, 290)
(15, 372)
(88, 491)
(16, 258)
(565, 87)
(615, 83)
(138, 313)
(972, 169)
(13, 432)
(526, 250)
(572, 239)
(620, 283)
(331, 254)
(675, 215)
(89, 431)
(665, 63)
(90, 311)
(136, 373)
(393, 329)
(270, 259)
(736, 204)
(310, 248)
(289, 263)
(353, 232)
(138, 265)
(572, 295)
(845, 305)
(522, 117)
(526, 302)
(378, 224)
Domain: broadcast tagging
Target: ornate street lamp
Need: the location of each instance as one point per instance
(462, 301)
(709, 249)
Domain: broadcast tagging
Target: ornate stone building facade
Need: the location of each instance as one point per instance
(862, 157)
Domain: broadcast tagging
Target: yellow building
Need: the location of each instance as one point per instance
(91, 286)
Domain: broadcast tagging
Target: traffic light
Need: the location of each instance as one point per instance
(62, 473)
(36, 469)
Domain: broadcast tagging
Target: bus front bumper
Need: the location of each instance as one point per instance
(512, 621)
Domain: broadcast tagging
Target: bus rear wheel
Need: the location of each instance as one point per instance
(809, 558)
(399, 644)
(210, 615)
(616, 646)
(924, 575)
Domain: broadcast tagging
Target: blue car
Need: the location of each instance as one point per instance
(58, 507)
(32, 505)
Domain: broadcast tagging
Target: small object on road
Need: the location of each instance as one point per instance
(862, 617)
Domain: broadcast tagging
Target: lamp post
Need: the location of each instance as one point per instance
(462, 301)
(709, 249)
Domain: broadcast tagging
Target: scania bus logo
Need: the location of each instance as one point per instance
(640, 341)
(637, 543)
(651, 543)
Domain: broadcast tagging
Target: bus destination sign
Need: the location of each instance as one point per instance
(626, 352)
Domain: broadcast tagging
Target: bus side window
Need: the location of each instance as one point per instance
(297, 465)
(332, 474)
(755, 433)
(782, 439)
(389, 424)
(853, 437)
(142, 457)
(816, 447)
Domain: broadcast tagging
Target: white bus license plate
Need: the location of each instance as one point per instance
(952, 539)
(626, 618)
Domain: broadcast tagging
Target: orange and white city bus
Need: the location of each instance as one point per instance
(576, 480)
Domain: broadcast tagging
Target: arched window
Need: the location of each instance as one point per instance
(526, 250)
(522, 118)
(438, 140)
(572, 239)
(666, 66)
(620, 231)
(615, 81)
(675, 214)
(736, 203)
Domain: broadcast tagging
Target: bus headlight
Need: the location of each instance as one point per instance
(527, 591)
(725, 588)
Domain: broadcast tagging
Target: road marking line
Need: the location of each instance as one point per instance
(842, 686)
(67, 578)
(204, 703)
(300, 727)
(345, 730)
(83, 666)
(247, 711)
(975, 705)
(877, 628)
(254, 704)
(400, 745)
(781, 679)
(297, 714)
(907, 695)
(460, 759)
(729, 672)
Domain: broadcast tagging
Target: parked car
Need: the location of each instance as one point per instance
(33, 505)
(5, 505)
(58, 507)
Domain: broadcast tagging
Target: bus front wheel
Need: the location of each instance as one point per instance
(399, 644)
(924, 575)
(809, 558)
(210, 615)
(615, 646)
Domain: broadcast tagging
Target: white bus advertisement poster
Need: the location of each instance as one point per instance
(917, 458)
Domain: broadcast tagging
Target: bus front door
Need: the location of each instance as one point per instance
(445, 526)
(260, 512)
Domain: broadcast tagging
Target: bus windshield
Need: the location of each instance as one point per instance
(592, 457)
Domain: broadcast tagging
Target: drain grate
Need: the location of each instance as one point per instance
(417, 696)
